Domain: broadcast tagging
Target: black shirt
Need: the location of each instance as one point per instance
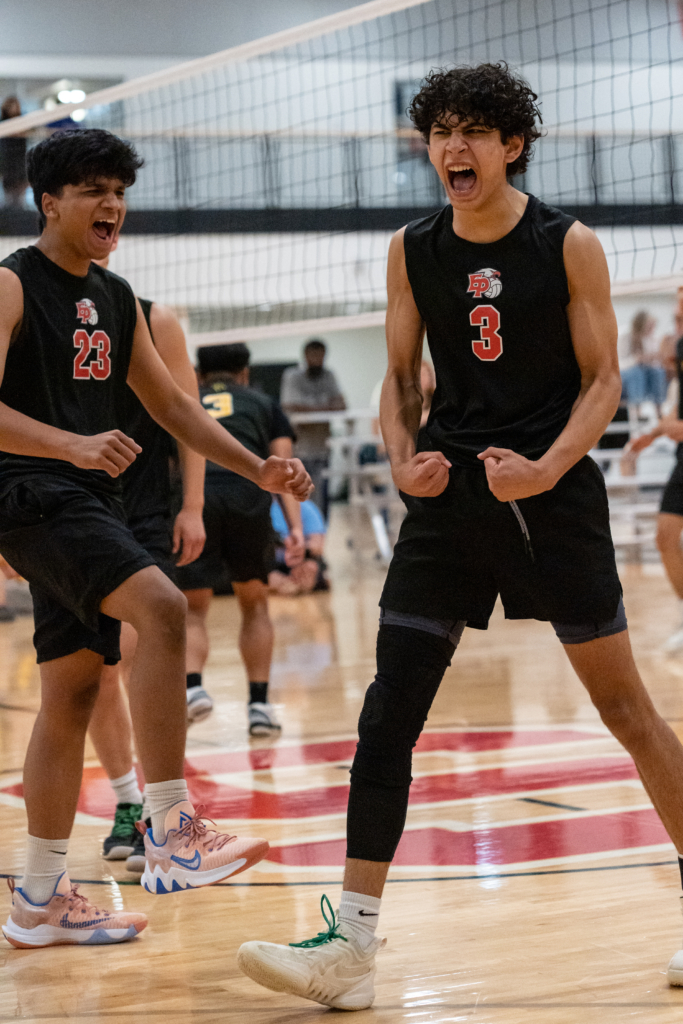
(147, 481)
(255, 420)
(506, 373)
(68, 365)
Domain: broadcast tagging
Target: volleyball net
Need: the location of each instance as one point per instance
(275, 172)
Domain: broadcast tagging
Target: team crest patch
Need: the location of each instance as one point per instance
(86, 312)
(485, 283)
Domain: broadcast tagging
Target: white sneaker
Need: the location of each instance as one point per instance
(199, 704)
(262, 720)
(674, 972)
(331, 969)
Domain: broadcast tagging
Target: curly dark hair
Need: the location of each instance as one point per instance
(489, 95)
(79, 155)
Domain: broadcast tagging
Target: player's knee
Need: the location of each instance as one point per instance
(410, 667)
(168, 611)
(627, 719)
(74, 703)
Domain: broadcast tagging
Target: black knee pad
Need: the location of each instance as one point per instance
(410, 666)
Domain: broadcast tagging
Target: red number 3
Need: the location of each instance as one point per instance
(99, 368)
(489, 345)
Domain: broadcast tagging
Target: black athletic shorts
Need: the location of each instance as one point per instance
(154, 533)
(672, 499)
(242, 544)
(457, 552)
(74, 548)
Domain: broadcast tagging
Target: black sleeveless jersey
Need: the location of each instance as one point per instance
(147, 482)
(495, 313)
(68, 365)
(255, 420)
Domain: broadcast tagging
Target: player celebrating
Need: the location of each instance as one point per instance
(239, 532)
(515, 299)
(71, 335)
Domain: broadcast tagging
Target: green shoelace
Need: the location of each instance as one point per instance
(125, 818)
(322, 937)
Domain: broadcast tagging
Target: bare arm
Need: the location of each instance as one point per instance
(112, 452)
(426, 474)
(188, 530)
(594, 337)
(184, 418)
(294, 543)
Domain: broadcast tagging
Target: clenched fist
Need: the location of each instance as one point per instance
(285, 476)
(423, 476)
(113, 452)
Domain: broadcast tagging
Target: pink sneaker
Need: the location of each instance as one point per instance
(194, 855)
(66, 919)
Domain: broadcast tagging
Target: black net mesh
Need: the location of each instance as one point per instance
(272, 185)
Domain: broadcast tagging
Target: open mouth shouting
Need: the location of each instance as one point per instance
(462, 178)
(105, 229)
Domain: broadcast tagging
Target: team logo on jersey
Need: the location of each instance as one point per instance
(86, 312)
(485, 283)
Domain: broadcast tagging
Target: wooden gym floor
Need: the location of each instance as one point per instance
(534, 883)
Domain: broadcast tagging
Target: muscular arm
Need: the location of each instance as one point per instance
(594, 337)
(188, 531)
(426, 474)
(21, 435)
(184, 418)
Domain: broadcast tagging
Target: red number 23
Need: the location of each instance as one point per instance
(489, 345)
(99, 367)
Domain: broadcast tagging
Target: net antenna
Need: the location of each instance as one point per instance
(276, 171)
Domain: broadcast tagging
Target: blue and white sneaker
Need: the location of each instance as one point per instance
(193, 855)
(199, 704)
(68, 918)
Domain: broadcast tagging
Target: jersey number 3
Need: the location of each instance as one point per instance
(489, 344)
(96, 346)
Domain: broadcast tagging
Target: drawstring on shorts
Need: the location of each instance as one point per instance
(524, 528)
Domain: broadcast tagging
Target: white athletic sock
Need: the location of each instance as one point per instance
(45, 864)
(359, 914)
(127, 789)
(160, 798)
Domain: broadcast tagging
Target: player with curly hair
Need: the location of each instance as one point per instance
(502, 496)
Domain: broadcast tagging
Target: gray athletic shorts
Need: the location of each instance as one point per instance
(566, 633)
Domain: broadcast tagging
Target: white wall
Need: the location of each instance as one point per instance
(358, 359)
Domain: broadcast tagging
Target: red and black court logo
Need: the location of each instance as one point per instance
(86, 312)
(485, 283)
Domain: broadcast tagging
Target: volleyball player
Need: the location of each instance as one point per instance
(71, 336)
(502, 498)
(670, 519)
(147, 504)
(239, 531)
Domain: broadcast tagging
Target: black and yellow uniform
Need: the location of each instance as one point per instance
(61, 527)
(147, 492)
(239, 533)
(506, 375)
(672, 499)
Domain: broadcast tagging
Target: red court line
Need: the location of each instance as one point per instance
(343, 750)
(225, 801)
(514, 844)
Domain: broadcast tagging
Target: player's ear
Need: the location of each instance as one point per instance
(514, 147)
(49, 205)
